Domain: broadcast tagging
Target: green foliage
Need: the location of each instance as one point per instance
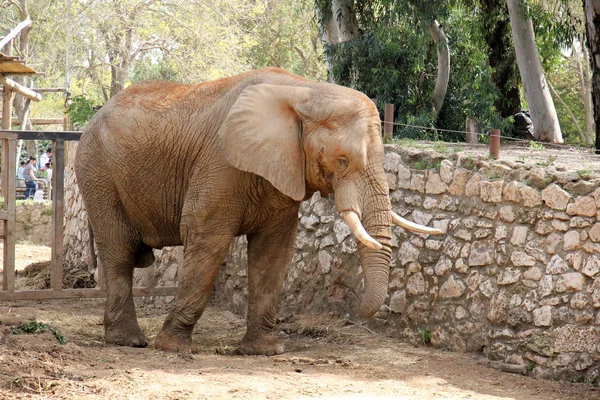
(530, 366)
(38, 327)
(80, 111)
(535, 145)
(425, 335)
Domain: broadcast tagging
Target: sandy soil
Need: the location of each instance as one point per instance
(326, 358)
(27, 254)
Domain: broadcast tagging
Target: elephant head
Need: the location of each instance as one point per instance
(322, 137)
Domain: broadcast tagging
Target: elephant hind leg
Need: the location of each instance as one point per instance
(117, 249)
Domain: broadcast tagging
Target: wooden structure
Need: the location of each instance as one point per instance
(11, 65)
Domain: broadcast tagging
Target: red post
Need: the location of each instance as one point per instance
(388, 125)
(495, 143)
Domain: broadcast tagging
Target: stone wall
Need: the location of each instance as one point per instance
(516, 275)
(33, 223)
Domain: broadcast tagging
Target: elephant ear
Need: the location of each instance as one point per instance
(262, 134)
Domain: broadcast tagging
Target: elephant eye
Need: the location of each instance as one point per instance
(342, 164)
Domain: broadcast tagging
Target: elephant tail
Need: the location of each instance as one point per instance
(93, 260)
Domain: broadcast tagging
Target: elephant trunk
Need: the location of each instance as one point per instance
(377, 221)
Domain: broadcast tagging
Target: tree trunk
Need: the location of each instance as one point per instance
(586, 95)
(501, 57)
(340, 26)
(443, 69)
(543, 114)
(592, 15)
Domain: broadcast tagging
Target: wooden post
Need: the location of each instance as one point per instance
(58, 211)
(472, 128)
(495, 143)
(388, 125)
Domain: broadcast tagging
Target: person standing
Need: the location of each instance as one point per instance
(45, 158)
(29, 175)
(20, 170)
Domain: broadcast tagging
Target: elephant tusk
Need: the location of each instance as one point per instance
(411, 226)
(359, 231)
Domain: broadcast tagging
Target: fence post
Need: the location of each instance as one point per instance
(495, 143)
(388, 125)
(472, 128)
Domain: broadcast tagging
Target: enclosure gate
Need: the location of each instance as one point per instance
(8, 139)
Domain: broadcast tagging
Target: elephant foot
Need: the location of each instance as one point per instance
(125, 335)
(267, 345)
(175, 343)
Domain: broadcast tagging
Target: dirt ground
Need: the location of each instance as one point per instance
(326, 358)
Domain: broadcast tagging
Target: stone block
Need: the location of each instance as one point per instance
(510, 192)
(591, 267)
(533, 273)
(446, 171)
(472, 186)
(531, 197)
(542, 316)
(452, 288)
(509, 276)
(584, 206)
(398, 302)
(459, 182)
(570, 282)
(522, 259)
(555, 197)
(519, 235)
(556, 265)
(415, 285)
(491, 192)
(435, 185)
(573, 338)
(482, 253)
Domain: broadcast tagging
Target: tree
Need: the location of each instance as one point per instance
(592, 15)
(543, 113)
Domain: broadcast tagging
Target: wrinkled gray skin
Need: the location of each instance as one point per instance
(164, 164)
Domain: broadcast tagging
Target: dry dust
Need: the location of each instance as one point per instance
(326, 358)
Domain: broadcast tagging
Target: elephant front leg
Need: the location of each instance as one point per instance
(202, 259)
(269, 256)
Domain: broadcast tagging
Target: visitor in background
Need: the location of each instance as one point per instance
(29, 175)
(45, 158)
(48, 169)
(39, 193)
(20, 170)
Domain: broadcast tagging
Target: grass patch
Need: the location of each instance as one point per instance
(38, 327)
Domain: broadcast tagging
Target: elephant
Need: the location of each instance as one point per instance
(168, 164)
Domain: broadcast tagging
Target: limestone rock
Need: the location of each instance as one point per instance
(556, 265)
(452, 288)
(472, 187)
(542, 316)
(491, 192)
(555, 197)
(583, 205)
(408, 253)
(510, 192)
(403, 177)
(459, 183)
(482, 253)
(509, 276)
(391, 161)
(594, 233)
(522, 259)
(592, 266)
(341, 230)
(398, 302)
(443, 265)
(571, 240)
(570, 282)
(446, 171)
(531, 197)
(435, 185)
(415, 284)
(519, 235)
(533, 273)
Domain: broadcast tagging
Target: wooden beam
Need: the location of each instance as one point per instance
(40, 135)
(81, 293)
(12, 34)
(46, 90)
(22, 90)
(58, 214)
(40, 121)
